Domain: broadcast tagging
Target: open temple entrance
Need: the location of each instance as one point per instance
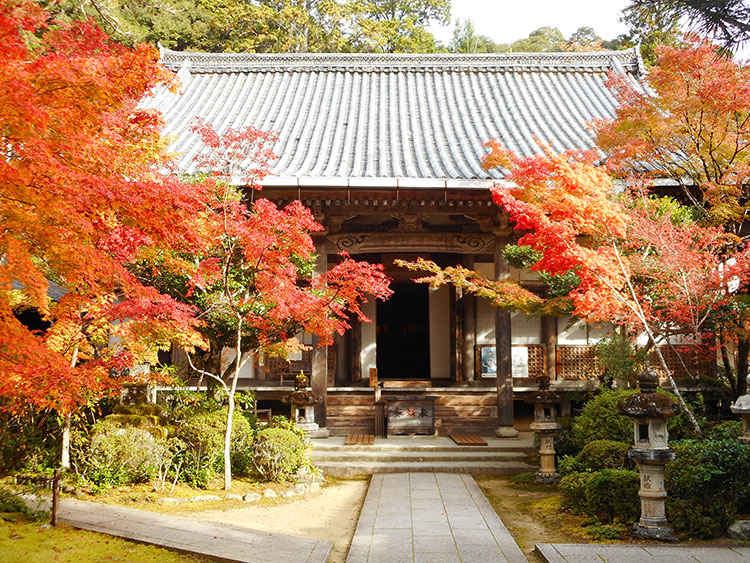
(403, 333)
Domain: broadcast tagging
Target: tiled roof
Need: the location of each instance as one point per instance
(392, 119)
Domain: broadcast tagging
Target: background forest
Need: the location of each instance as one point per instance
(387, 26)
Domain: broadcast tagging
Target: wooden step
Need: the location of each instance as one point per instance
(359, 440)
(464, 439)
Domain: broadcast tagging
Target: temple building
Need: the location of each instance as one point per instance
(386, 150)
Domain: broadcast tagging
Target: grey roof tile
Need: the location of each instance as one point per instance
(393, 116)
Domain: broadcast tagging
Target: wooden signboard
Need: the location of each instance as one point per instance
(411, 415)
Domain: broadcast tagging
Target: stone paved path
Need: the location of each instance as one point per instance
(429, 518)
(647, 553)
(195, 536)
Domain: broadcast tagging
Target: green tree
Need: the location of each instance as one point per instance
(466, 40)
(396, 26)
(651, 27)
(725, 21)
(584, 39)
(544, 39)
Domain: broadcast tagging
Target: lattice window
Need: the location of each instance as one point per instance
(537, 360)
(577, 362)
(686, 363)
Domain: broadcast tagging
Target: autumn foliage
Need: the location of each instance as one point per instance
(692, 125)
(258, 260)
(82, 195)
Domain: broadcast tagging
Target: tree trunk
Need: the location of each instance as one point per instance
(65, 446)
(743, 349)
(65, 450)
(230, 410)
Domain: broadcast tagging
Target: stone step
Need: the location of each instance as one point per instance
(418, 456)
(524, 444)
(350, 469)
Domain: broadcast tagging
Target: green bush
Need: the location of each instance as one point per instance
(725, 430)
(600, 420)
(612, 495)
(116, 456)
(572, 489)
(704, 484)
(203, 435)
(564, 442)
(609, 495)
(604, 454)
(29, 441)
(569, 464)
(278, 453)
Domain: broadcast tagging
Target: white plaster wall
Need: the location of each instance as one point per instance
(581, 333)
(440, 344)
(573, 335)
(368, 356)
(525, 330)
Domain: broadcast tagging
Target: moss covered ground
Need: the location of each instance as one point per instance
(23, 541)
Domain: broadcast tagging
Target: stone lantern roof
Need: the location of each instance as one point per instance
(648, 403)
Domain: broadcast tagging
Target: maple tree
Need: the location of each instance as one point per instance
(253, 284)
(693, 127)
(81, 196)
(639, 262)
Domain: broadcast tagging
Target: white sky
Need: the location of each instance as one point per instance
(506, 21)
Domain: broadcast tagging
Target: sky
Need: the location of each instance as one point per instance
(506, 21)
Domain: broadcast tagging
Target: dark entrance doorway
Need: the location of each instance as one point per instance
(403, 333)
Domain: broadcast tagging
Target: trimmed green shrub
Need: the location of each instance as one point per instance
(569, 464)
(600, 420)
(704, 484)
(604, 454)
(572, 489)
(725, 430)
(116, 456)
(203, 435)
(278, 453)
(609, 495)
(612, 495)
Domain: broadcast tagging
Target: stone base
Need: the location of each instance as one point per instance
(546, 478)
(663, 533)
(307, 427)
(319, 433)
(506, 432)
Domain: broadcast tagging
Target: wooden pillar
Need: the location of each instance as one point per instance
(469, 308)
(342, 359)
(454, 332)
(319, 379)
(260, 370)
(355, 351)
(505, 418)
(549, 338)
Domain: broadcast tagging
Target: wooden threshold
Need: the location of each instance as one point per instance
(464, 439)
(359, 440)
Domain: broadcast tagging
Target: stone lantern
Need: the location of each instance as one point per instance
(742, 406)
(545, 425)
(651, 451)
(302, 401)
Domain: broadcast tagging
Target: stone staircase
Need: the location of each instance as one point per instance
(424, 454)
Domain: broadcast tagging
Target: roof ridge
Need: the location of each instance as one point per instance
(377, 62)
